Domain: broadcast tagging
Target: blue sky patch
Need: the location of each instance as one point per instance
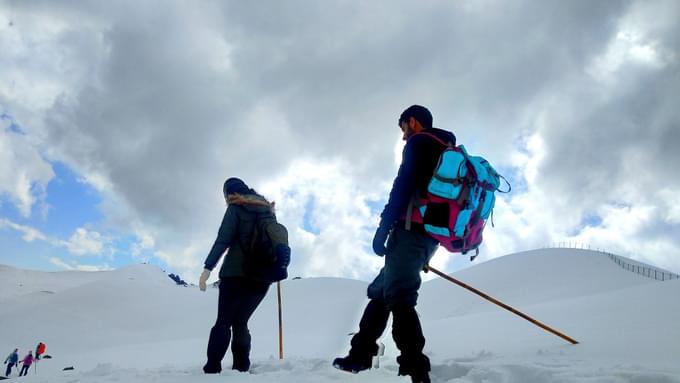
(33, 255)
(376, 206)
(589, 220)
(515, 177)
(592, 220)
(72, 204)
(308, 217)
(13, 127)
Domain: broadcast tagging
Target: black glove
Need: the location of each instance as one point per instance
(379, 239)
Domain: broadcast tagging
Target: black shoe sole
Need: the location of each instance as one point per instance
(211, 371)
(339, 367)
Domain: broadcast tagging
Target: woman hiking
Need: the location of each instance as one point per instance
(239, 293)
(28, 361)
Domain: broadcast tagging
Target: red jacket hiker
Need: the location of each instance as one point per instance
(40, 350)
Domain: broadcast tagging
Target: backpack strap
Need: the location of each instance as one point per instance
(413, 203)
(509, 186)
(409, 215)
(433, 137)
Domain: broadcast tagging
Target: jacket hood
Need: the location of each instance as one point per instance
(251, 202)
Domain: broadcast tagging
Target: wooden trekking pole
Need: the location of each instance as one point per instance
(503, 305)
(278, 293)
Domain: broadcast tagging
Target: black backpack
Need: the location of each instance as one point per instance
(267, 256)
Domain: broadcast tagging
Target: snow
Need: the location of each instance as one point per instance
(136, 325)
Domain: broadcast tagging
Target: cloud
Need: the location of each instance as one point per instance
(145, 242)
(574, 101)
(78, 267)
(82, 242)
(329, 218)
(24, 173)
(85, 242)
(29, 234)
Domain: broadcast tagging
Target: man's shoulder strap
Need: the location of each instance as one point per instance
(433, 136)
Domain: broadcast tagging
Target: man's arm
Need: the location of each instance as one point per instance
(404, 186)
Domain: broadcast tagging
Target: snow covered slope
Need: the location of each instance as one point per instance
(134, 324)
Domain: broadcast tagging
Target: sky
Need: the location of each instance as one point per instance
(119, 122)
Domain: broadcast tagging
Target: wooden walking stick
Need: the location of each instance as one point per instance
(503, 305)
(278, 293)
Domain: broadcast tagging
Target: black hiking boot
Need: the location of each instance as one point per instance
(212, 369)
(350, 364)
(423, 377)
(241, 365)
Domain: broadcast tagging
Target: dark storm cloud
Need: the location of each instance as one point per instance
(155, 117)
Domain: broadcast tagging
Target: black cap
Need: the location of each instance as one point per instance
(420, 113)
(235, 185)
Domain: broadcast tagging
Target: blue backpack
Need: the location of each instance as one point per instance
(460, 198)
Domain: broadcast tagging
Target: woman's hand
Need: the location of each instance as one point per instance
(203, 279)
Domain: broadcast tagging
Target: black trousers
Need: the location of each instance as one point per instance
(239, 297)
(24, 370)
(395, 291)
(9, 368)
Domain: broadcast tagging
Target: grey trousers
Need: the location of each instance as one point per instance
(395, 291)
(399, 280)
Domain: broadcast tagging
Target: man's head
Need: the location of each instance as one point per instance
(414, 119)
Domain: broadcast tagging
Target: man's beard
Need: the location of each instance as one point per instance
(408, 133)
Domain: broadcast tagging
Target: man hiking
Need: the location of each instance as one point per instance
(240, 294)
(39, 350)
(11, 361)
(407, 252)
(28, 361)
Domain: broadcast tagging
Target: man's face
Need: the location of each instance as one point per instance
(407, 128)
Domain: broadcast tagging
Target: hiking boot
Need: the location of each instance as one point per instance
(350, 364)
(423, 377)
(241, 365)
(212, 369)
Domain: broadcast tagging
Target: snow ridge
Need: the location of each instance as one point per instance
(136, 325)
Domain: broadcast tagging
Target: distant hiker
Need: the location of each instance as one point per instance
(11, 361)
(239, 293)
(407, 252)
(28, 361)
(39, 350)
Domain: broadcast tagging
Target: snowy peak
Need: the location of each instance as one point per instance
(531, 277)
(124, 317)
